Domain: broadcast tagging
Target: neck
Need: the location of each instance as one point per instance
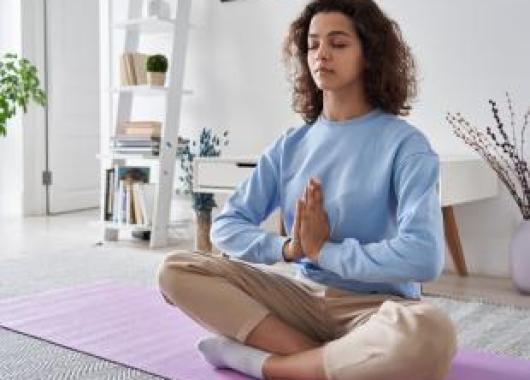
(345, 104)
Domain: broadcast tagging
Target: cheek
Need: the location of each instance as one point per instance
(310, 60)
(353, 64)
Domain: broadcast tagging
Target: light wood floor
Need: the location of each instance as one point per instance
(30, 236)
(497, 290)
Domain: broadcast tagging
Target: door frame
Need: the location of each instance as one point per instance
(36, 158)
(35, 121)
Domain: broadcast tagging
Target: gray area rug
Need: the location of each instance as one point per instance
(481, 326)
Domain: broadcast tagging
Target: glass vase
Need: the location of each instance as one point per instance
(520, 257)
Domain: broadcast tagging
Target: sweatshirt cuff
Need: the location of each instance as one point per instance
(274, 253)
(329, 255)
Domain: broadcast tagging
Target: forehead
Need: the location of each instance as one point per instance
(325, 22)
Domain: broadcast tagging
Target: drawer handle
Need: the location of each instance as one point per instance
(245, 165)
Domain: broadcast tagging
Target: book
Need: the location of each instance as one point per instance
(146, 128)
(128, 201)
(109, 194)
(138, 216)
(135, 143)
(133, 70)
(137, 151)
(123, 137)
(120, 197)
(129, 64)
(141, 203)
(141, 124)
(148, 197)
(139, 63)
(125, 80)
(154, 132)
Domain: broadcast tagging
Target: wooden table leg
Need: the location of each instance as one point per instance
(453, 240)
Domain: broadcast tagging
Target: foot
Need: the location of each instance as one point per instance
(222, 352)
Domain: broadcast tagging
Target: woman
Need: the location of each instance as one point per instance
(357, 186)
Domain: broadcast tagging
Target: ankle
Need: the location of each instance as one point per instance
(268, 367)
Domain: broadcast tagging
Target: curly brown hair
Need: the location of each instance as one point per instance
(390, 76)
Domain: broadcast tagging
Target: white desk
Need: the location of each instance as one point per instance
(462, 179)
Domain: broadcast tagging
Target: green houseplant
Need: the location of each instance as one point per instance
(203, 203)
(156, 67)
(19, 84)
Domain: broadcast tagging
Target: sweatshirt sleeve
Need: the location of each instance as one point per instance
(416, 252)
(236, 229)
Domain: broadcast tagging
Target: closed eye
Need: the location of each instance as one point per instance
(336, 46)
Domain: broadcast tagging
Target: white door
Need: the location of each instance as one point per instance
(73, 115)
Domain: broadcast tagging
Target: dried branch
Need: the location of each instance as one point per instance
(501, 154)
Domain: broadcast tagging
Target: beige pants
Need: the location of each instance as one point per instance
(364, 336)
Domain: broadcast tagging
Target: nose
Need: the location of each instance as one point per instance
(322, 53)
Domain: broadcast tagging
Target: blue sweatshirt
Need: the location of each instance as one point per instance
(380, 181)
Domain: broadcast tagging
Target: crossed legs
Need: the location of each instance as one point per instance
(409, 340)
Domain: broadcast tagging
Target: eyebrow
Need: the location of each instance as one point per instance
(332, 33)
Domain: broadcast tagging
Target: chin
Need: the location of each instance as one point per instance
(327, 86)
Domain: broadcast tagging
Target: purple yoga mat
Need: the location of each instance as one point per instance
(133, 326)
(122, 323)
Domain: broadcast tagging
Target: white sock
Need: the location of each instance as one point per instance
(223, 352)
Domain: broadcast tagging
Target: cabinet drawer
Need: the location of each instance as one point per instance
(220, 175)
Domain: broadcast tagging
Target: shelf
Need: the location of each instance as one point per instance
(179, 223)
(146, 90)
(127, 156)
(147, 25)
(125, 226)
(171, 30)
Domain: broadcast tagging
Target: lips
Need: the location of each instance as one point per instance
(323, 70)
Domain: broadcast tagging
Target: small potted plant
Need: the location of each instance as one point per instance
(156, 67)
(203, 203)
(19, 84)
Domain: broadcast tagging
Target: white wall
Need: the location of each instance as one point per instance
(467, 52)
(11, 146)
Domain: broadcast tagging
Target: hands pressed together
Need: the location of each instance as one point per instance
(311, 226)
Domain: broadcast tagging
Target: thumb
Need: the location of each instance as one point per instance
(297, 225)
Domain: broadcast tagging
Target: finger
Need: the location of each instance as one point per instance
(296, 211)
(310, 199)
(311, 190)
(318, 193)
(297, 220)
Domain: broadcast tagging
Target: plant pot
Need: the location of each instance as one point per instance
(520, 257)
(156, 79)
(202, 231)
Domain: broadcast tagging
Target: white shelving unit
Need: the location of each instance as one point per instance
(117, 105)
(144, 90)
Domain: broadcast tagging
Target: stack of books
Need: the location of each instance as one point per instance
(132, 69)
(137, 137)
(141, 137)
